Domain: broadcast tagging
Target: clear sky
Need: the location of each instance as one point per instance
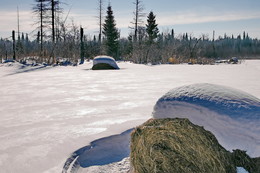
(195, 17)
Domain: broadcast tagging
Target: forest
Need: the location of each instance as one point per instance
(56, 40)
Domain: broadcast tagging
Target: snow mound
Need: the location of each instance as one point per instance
(232, 115)
(107, 60)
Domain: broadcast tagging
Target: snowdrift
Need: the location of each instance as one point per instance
(231, 115)
(100, 152)
(104, 63)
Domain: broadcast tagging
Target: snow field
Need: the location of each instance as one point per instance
(47, 113)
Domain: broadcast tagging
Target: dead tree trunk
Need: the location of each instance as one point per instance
(14, 47)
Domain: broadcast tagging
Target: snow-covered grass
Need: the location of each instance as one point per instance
(233, 116)
(46, 113)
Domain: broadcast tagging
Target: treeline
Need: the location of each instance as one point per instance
(166, 49)
(57, 39)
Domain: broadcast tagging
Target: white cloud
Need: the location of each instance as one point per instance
(8, 21)
(193, 18)
(89, 22)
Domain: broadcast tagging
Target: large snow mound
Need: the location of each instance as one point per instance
(232, 115)
(105, 60)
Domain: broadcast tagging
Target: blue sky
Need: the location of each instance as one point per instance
(195, 17)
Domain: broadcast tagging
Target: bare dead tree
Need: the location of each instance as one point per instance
(193, 47)
(14, 48)
(137, 20)
(55, 17)
(40, 9)
(100, 19)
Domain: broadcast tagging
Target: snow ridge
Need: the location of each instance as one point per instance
(221, 99)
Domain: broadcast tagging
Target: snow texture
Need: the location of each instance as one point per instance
(233, 116)
(47, 112)
(106, 60)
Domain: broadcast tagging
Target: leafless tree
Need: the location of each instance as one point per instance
(100, 19)
(137, 20)
(40, 9)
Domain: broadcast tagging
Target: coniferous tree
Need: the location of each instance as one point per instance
(111, 34)
(151, 27)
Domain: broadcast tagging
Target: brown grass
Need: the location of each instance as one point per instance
(177, 145)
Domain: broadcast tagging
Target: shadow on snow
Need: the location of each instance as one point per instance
(100, 152)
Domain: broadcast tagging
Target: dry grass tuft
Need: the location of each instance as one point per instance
(177, 145)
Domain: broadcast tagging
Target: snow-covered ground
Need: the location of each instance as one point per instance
(47, 113)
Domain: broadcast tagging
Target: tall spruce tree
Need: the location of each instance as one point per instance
(151, 28)
(111, 34)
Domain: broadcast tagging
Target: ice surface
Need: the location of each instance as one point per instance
(232, 115)
(49, 112)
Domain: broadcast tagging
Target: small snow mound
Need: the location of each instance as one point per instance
(105, 60)
(232, 115)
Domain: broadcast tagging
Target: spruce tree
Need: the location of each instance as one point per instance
(111, 34)
(151, 27)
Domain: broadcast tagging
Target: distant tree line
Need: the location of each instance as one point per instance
(58, 39)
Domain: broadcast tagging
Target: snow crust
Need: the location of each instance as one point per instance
(232, 115)
(106, 60)
(47, 113)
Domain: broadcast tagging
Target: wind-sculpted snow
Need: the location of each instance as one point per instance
(232, 115)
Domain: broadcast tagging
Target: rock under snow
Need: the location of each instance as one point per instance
(232, 115)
